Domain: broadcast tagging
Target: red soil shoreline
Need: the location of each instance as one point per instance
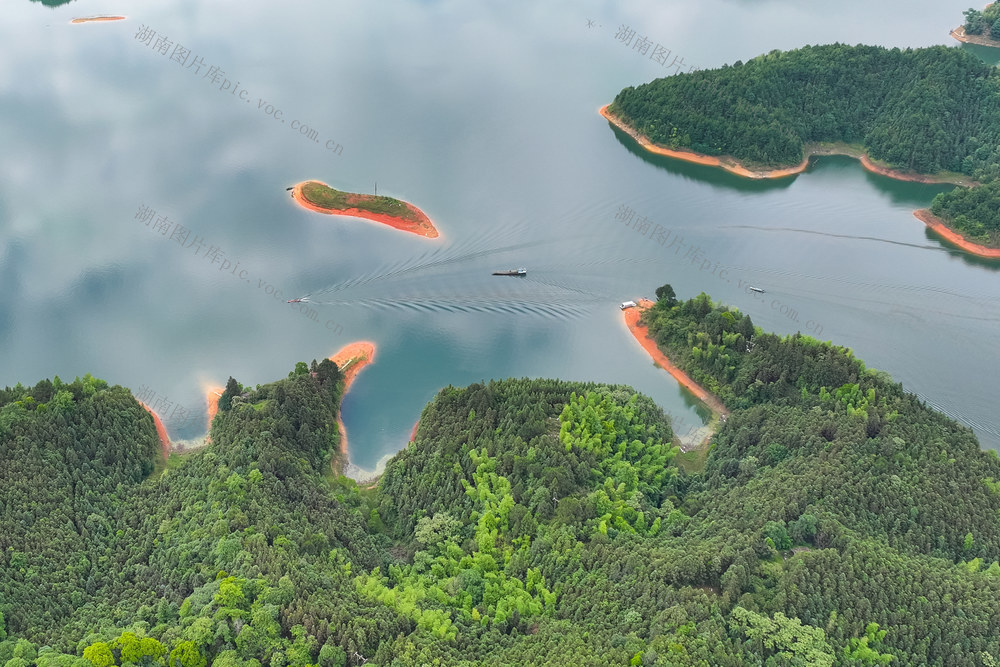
(641, 334)
(937, 225)
(734, 166)
(959, 34)
(729, 164)
(212, 395)
(363, 353)
(423, 227)
(94, 19)
(413, 433)
(161, 430)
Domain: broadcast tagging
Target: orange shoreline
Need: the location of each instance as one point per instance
(647, 342)
(423, 227)
(92, 19)
(979, 40)
(361, 353)
(212, 395)
(937, 225)
(729, 164)
(161, 430)
(734, 166)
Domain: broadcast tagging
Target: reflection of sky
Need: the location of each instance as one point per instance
(484, 116)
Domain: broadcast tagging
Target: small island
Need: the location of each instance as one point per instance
(929, 115)
(980, 27)
(321, 198)
(98, 19)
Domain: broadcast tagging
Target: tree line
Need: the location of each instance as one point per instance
(837, 521)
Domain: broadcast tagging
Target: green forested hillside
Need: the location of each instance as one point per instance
(925, 110)
(838, 521)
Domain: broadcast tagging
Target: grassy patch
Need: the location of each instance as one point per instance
(693, 462)
(174, 461)
(327, 197)
(834, 148)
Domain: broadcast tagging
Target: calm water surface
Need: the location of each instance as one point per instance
(486, 118)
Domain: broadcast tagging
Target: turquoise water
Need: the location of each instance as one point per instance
(485, 118)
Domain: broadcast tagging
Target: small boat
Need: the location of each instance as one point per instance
(512, 272)
(296, 301)
(756, 289)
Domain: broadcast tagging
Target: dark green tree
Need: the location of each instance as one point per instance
(232, 389)
(974, 22)
(666, 293)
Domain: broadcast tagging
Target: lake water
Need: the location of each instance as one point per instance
(484, 116)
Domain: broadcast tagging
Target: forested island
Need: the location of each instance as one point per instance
(320, 197)
(980, 27)
(929, 114)
(837, 521)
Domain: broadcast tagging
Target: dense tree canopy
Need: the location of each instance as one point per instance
(924, 110)
(974, 212)
(986, 22)
(837, 521)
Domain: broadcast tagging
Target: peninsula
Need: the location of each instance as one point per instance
(939, 227)
(321, 198)
(980, 27)
(929, 115)
(533, 521)
(641, 332)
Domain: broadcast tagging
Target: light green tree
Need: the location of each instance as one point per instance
(865, 651)
(787, 639)
(99, 654)
(186, 654)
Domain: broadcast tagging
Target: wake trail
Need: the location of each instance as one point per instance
(838, 236)
(545, 308)
(407, 270)
(416, 263)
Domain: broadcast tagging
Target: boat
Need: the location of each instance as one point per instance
(756, 289)
(512, 272)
